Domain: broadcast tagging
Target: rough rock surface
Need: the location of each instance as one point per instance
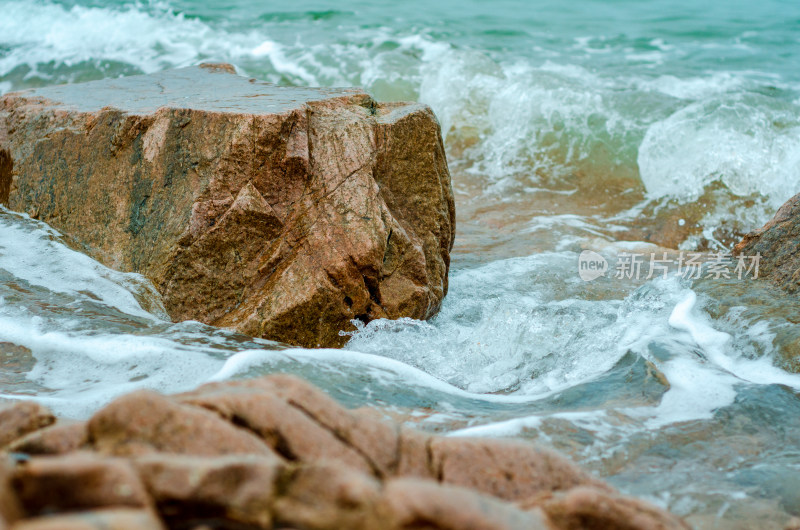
(76, 482)
(63, 437)
(21, 418)
(777, 243)
(276, 452)
(145, 422)
(281, 212)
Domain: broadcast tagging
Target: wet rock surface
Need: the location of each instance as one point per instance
(280, 212)
(276, 452)
(777, 243)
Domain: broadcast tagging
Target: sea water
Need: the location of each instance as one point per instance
(613, 126)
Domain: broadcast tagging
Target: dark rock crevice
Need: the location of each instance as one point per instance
(6, 172)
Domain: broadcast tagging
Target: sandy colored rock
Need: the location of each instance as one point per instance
(20, 418)
(62, 437)
(10, 508)
(326, 496)
(413, 458)
(281, 212)
(236, 488)
(144, 422)
(510, 470)
(110, 519)
(302, 423)
(414, 503)
(589, 508)
(75, 482)
(776, 243)
(376, 440)
(288, 430)
(204, 459)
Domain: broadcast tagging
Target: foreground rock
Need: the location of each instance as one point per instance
(277, 453)
(777, 244)
(19, 419)
(280, 212)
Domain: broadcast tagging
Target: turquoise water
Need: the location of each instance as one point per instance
(610, 126)
(588, 90)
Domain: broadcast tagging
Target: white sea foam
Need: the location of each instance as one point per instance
(497, 330)
(704, 383)
(520, 325)
(588, 225)
(556, 119)
(748, 142)
(535, 346)
(529, 119)
(532, 120)
(701, 382)
(149, 37)
(506, 428)
(33, 252)
(379, 368)
(594, 420)
(716, 346)
(78, 371)
(693, 87)
(696, 392)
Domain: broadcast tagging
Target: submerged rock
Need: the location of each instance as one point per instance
(276, 452)
(776, 245)
(280, 212)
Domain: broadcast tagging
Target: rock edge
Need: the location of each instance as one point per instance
(275, 452)
(280, 212)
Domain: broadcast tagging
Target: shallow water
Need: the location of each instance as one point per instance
(621, 127)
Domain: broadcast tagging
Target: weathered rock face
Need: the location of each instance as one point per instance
(21, 418)
(276, 452)
(280, 212)
(777, 243)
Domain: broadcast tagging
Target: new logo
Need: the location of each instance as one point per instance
(591, 265)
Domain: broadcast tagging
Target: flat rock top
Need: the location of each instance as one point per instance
(214, 88)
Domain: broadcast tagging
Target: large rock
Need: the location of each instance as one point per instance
(281, 212)
(776, 245)
(276, 452)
